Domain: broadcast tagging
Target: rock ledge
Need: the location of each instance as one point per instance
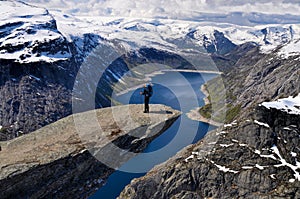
(56, 160)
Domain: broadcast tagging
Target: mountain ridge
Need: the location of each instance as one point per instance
(259, 64)
(48, 68)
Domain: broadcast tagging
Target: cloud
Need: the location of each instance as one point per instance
(179, 9)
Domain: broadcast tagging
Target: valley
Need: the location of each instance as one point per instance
(55, 65)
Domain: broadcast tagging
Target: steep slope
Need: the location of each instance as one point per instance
(26, 33)
(252, 158)
(41, 53)
(38, 67)
(59, 161)
(256, 78)
(255, 156)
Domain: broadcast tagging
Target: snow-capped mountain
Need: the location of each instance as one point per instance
(29, 34)
(41, 52)
(160, 33)
(26, 37)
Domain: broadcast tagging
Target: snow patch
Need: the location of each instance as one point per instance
(292, 180)
(231, 124)
(293, 154)
(224, 169)
(285, 163)
(259, 167)
(273, 176)
(234, 140)
(188, 158)
(290, 49)
(290, 105)
(34, 77)
(257, 152)
(247, 167)
(268, 156)
(221, 133)
(261, 124)
(226, 145)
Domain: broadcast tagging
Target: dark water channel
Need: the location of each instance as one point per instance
(181, 91)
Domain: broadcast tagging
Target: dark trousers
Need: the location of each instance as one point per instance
(147, 104)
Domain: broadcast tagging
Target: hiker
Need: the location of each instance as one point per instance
(147, 92)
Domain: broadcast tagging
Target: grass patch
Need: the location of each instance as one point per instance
(232, 112)
(206, 111)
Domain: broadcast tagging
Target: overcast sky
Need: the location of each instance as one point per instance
(167, 8)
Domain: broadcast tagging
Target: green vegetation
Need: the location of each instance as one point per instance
(221, 107)
(206, 111)
(216, 109)
(230, 96)
(232, 112)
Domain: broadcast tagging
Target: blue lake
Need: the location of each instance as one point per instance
(181, 91)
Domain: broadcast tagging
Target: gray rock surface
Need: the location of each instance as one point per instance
(236, 161)
(256, 156)
(56, 161)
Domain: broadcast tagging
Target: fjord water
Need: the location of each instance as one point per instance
(181, 91)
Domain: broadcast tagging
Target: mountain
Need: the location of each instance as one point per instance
(255, 154)
(52, 63)
(42, 52)
(253, 157)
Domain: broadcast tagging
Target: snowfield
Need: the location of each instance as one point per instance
(26, 34)
(290, 105)
(23, 27)
(291, 49)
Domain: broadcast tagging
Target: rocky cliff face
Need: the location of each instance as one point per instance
(61, 161)
(39, 65)
(256, 157)
(253, 78)
(41, 53)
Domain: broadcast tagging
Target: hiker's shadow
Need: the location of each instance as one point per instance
(162, 112)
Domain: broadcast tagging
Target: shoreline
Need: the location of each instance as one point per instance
(195, 114)
(148, 77)
(193, 71)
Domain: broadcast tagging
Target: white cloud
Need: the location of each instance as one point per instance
(181, 9)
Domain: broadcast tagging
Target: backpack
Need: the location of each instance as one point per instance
(150, 89)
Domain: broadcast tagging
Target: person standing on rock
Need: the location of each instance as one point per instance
(147, 92)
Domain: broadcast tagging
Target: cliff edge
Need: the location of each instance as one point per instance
(57, 160)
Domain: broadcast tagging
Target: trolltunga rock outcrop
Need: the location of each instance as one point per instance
(62, 159)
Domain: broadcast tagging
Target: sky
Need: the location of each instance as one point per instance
(174, 9)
